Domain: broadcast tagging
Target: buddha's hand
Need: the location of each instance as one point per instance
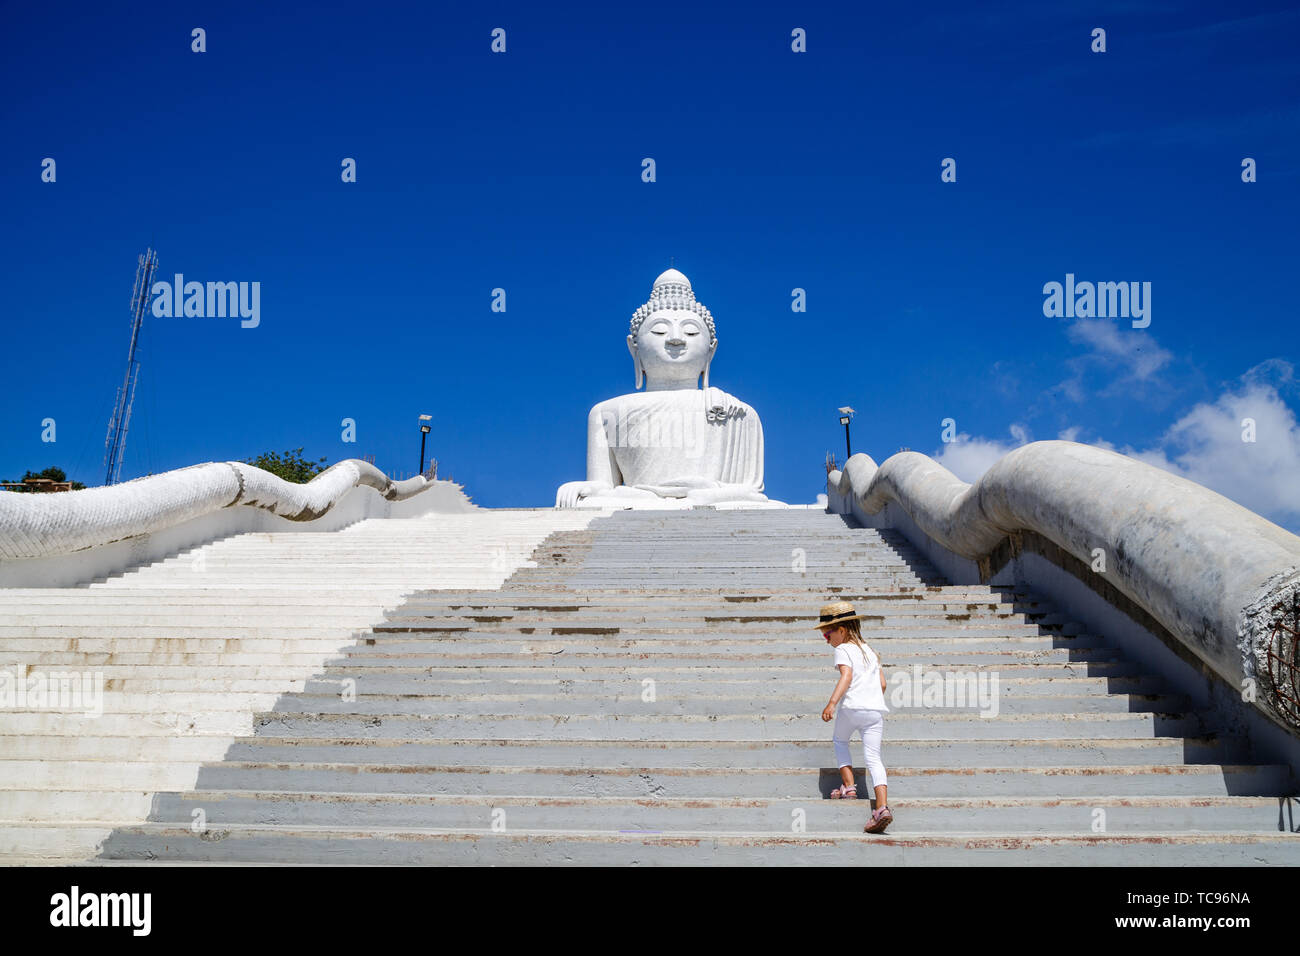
(569, 493)
(690, 482)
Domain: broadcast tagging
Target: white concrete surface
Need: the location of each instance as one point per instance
(191, 647)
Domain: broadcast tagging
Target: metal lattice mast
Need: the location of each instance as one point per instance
(115, 446)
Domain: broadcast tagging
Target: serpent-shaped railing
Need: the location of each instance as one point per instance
(44, 525)
(1215, 575)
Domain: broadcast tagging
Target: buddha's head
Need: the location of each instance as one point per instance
(672, 339)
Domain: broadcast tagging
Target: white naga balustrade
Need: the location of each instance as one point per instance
(33, 526)
(1204, 568)
(57, 540)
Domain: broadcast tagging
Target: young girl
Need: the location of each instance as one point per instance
(861, 687)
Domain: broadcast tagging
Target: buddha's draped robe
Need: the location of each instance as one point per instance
(662, 441)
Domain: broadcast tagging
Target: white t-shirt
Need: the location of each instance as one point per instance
(864, 691)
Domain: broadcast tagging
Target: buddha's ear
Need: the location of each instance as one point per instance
(636, 362)
(708, 360)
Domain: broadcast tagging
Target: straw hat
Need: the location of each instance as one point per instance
(837, 612)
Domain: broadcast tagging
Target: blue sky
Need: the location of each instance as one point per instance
(775, 170)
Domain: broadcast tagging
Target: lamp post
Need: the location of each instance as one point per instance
(424, 433)
(846, 414)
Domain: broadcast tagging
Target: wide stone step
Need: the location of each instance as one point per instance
(371, 579)
(669, 700)
(81, 620)
(492, 635)
(556, 669)
(801, 618)
(450, 600)
(700, 682)
(921, 815)
(160, 724)
(678, 580)
(1208, 780)
(210, 600)
(92, 776)
(814, 593)
(22, 649)
(586, 638)
(352, 658)
(453, 569)
(130, 661)
(86, 806)
(564, 667)
(803, 601)
(636, 611)
(279, 671)
(362, 654)
(733, 754)
(633, 702)
(111, 752)
(636, 726)
(429, 846)
(621, 680)
(698, 632)
(395, 585)
(259, 640)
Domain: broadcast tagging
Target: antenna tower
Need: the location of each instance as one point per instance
(115, 446)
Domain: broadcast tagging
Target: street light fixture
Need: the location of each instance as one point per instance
(846, 414)
(424, 433)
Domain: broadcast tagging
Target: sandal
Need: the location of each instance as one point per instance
(845, 793)
(879, 820)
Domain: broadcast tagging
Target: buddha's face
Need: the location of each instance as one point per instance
(673, 347)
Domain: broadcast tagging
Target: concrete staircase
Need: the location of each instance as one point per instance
(190, 649)
(648, 691)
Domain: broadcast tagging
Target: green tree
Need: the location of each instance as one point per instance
(52, 473)
(291, 467)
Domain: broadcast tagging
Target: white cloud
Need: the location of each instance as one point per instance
(1204, 446)
(968, 457)
(1130, 356)
(1135, 349)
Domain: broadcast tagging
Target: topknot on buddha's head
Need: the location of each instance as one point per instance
(672, 291)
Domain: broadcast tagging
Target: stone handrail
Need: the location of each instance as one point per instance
(42, 525)
(1205, 568)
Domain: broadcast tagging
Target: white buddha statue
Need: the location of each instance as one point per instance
(672, 445)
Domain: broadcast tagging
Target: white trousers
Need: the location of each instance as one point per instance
(872, 725)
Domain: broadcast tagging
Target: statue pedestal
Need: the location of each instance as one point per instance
(656, 503)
